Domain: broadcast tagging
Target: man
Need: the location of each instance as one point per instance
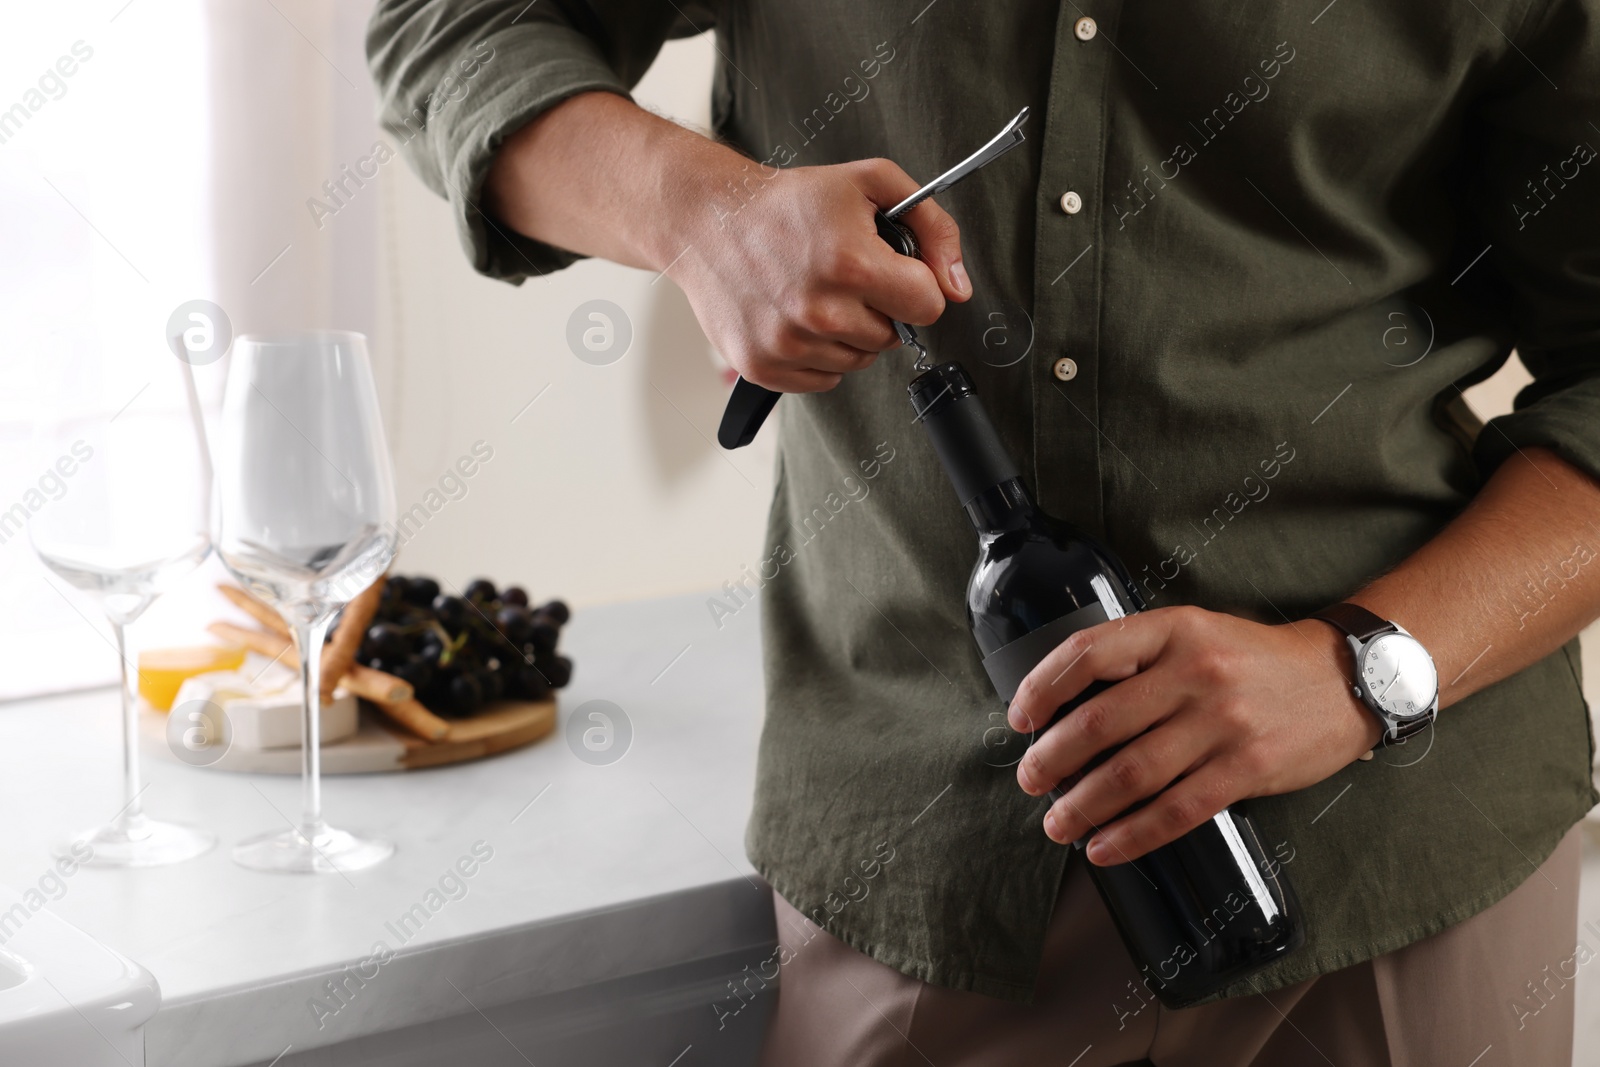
(1257, 252)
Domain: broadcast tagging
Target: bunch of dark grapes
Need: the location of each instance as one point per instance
(462, 652)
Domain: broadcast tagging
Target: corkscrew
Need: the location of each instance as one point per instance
(750, 404)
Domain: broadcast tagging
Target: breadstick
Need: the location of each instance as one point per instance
(339, 654)
(254, 608)
(376, 686)
(276, 646)
(380, 687)
(414, 717)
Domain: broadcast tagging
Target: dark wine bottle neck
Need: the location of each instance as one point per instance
(969, 448)
(1001, 508)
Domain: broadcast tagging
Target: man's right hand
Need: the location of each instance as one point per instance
(797, 288)
(784, 268)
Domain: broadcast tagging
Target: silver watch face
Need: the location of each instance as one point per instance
(1399, 676)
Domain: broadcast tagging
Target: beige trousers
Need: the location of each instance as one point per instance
(1461, 998)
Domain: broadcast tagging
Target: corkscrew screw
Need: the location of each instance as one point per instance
(750, 404)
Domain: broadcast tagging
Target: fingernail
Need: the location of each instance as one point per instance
(1052, 826)
(958, 278)
(1099, 851)
(1018, 721)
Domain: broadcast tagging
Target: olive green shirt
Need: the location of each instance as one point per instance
(1226, 297)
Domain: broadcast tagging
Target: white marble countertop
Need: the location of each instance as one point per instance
(597, 872)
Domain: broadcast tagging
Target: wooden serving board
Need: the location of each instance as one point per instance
(378, 745)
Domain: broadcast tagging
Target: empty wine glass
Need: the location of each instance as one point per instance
(307, 522)
(125, 443)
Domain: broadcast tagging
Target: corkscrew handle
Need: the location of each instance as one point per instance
(750, 403)
(747, 409)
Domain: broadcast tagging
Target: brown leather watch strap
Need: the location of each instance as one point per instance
(1354, 620)
(1406, 729)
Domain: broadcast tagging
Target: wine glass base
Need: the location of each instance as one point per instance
(328, 851)
(137, 842)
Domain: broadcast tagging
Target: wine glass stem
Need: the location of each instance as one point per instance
(308, 639)
(132, 786)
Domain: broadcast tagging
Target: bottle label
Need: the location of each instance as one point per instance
(1010, 664)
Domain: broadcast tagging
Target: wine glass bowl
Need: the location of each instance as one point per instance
(135, 519)
(307, 522)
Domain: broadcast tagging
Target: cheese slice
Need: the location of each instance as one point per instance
(264, 713)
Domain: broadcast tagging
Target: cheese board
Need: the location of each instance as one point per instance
(379, 746)
(485, 661)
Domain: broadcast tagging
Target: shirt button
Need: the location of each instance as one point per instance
(1066, 369)
(1084, 29)
(1071, 203)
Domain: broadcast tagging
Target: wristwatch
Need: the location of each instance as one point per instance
(1394, 675)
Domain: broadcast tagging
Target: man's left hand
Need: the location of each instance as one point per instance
(1209, 708)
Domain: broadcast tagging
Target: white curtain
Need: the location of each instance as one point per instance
(153, 153)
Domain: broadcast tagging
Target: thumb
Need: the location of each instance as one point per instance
(939, 245)
(938, 237)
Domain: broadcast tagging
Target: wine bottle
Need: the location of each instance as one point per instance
(1202, 912)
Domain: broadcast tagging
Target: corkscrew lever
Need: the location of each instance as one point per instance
(750, 404)
(1008, 138)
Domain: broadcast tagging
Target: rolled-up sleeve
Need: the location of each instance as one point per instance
(1536, 148)
(456, 77)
